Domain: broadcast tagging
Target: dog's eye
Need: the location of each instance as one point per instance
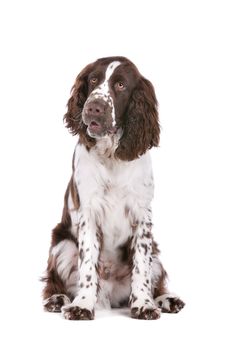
(93, 81)
(120, 86)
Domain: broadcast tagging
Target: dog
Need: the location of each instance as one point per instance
(103, 253)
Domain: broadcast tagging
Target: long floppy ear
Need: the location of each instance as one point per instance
(141, 125)
(73, 117)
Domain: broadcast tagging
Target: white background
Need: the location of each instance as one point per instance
(185, 49)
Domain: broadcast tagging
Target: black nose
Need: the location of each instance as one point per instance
(94, 109)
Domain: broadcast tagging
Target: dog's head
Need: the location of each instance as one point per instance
(111, 95)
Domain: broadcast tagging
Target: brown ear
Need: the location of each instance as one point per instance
(73, 117)
(141, 127)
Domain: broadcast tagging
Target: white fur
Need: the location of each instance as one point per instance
(74, 214)
(113, 292)
(156, 270)
(66, 257)
(107, 187)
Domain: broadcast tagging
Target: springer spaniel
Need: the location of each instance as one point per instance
(103, 252)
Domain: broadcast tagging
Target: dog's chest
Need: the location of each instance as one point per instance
(116, 225)
(116, 193)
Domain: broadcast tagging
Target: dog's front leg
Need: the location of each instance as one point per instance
(141, 299)
(82, 307)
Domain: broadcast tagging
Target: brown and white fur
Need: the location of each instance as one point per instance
(103, 252)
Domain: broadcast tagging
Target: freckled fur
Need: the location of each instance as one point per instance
(103, 252)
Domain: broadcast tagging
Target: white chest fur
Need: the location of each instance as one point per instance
(112, 191)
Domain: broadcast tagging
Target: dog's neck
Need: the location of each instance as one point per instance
(106, 146)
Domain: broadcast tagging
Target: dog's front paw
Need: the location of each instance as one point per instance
(55, 302)
(169, 303)
(72, 312)
(145, 313)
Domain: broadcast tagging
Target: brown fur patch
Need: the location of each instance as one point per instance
(55, 303)
(54, 284)
(139, 121)
(141, 127)
(145, 314)
(76, 313)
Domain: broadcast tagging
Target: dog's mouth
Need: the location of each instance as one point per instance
(94, 127)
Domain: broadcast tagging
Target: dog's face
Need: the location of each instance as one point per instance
(110, 86)
(110, 95)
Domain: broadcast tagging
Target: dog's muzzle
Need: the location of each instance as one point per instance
(97, 115)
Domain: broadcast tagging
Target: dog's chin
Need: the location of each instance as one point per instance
(97, 131)
(96, 135)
